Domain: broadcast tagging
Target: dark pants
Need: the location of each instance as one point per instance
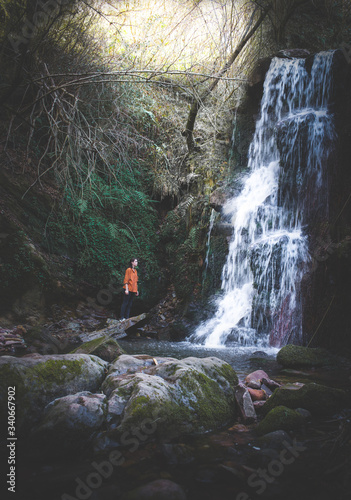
(127, 304)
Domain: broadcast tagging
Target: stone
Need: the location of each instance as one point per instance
(245, 404)
(257, 394)
(174, 397)
(258, 405)
(41, 379)
(293, 53)
(279, 418)
(253, 380)
(218, 198)
(274, 439)
(68, 422)
(317, 399)
(160, 489)
(294, 356)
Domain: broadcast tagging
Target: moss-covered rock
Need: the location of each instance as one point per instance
(291, 356)
(38, 380)
(279, 418)
(316, 398)
(172, 397)
(69, 422)
(104, 347)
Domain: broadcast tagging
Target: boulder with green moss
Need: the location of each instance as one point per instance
(168, 396)
(294, 356)
(316, 398)
(280, 418)
(38, 380)
(104, 347)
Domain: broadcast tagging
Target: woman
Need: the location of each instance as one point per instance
(130, 286)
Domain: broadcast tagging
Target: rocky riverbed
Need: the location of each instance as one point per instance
(144, 427)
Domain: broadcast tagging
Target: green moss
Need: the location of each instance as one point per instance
(316, 398)
(54, 372)
(279, 418)
(291, 356)
(227, 372)
(90, 346)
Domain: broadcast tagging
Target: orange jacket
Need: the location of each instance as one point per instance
(131, 279)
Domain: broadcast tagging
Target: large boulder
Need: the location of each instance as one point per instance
(38, 380)
(168, 396)
(69, 422)
(316, 398)
(295, 356)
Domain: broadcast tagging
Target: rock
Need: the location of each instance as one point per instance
(41, 379)
(218, 198)
(69, 422)
(257, 394)
(272, 384)
(274, 439)
(279, 418)
(161, 489)
(253, 380)
(266, 390)
(245, 404)
(174, 397)
(293, 53)
(304, 413)
(104, 347)
(258, 405)
(317, 399)
(293, 356)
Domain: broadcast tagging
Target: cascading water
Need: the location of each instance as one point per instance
(286, 184)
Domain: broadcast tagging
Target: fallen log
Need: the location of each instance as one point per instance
(115, 328)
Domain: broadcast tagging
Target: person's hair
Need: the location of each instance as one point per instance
(132, 260)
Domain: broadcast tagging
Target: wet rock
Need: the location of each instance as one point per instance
(293, 53)
(258, 405)
(293, 356)
(266, 390)
(245, 404)
(161, 489)
(253, 380)
(274, 439)
(279, 418)
(41, 379)
(218, 198)
(317, 399)
(257, 394)
(69, 422)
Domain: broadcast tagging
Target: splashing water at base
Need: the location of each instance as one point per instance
(268, 254)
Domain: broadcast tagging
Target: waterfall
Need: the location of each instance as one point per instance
(285, 185)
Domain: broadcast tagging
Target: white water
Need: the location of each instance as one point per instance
(268, 254)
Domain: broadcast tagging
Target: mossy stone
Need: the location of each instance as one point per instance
(279, 418)
(316, 398)
(38, 380)
(291, 356)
